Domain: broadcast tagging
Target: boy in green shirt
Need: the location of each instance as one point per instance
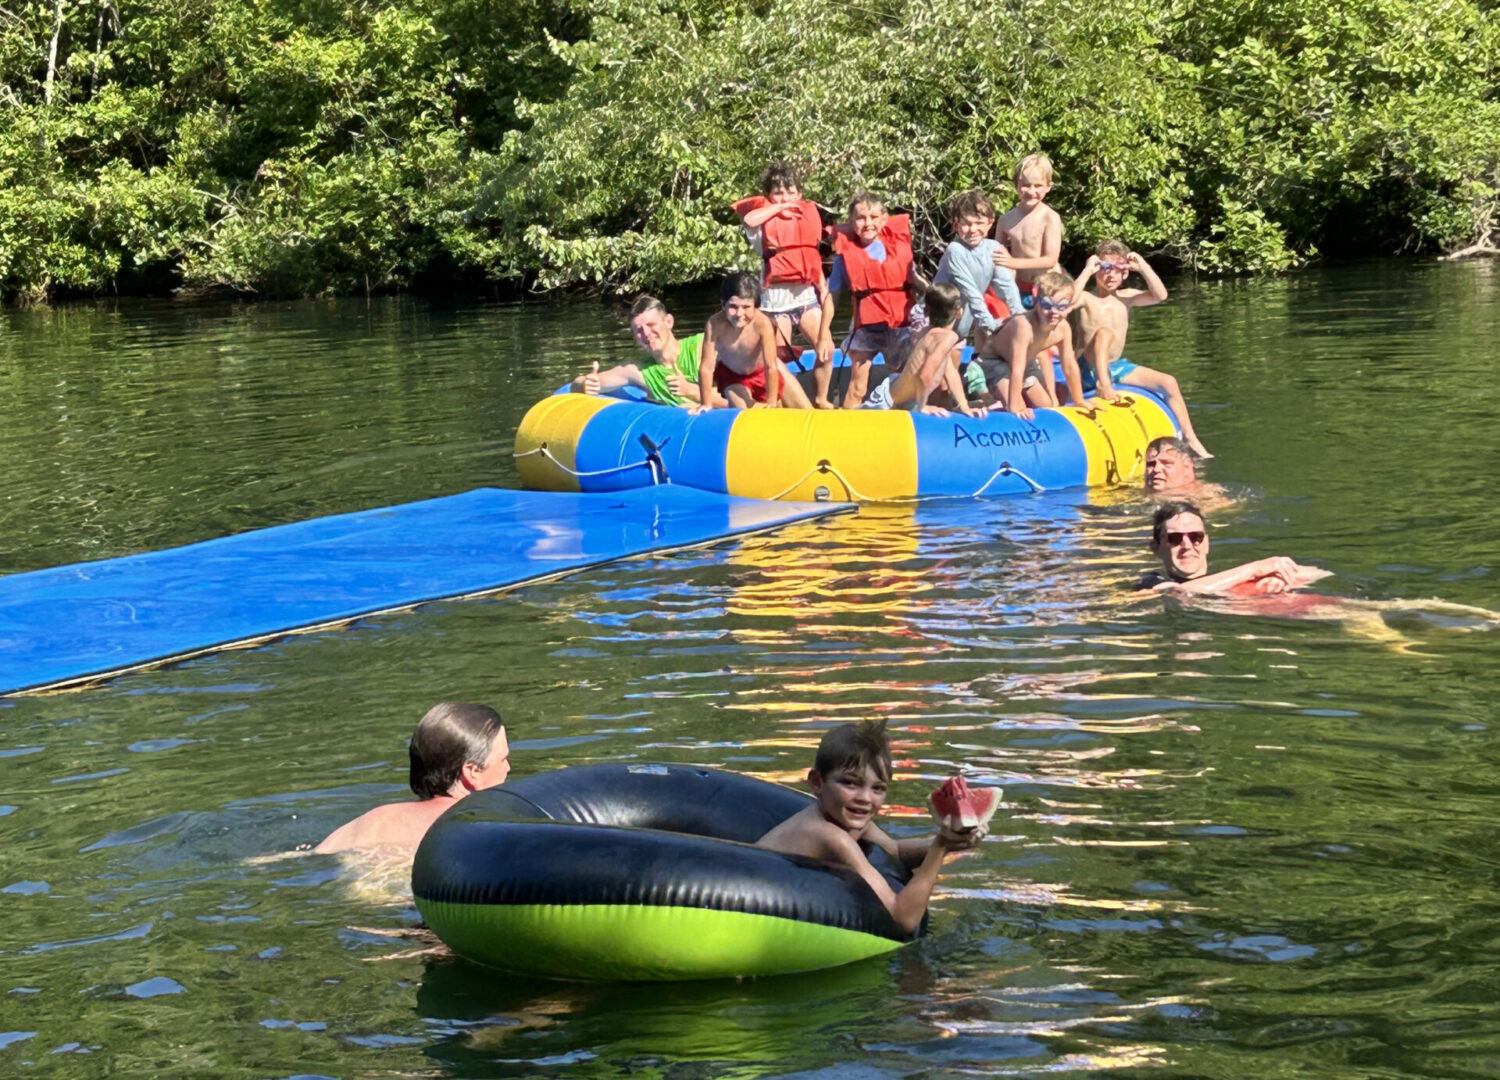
(671, 375)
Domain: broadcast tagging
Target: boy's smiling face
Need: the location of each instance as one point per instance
(970, 229)
(1054, 307)
(1032, 189)
(868, 219)
(849, 797)
(739, 311)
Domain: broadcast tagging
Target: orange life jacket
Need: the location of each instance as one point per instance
(788, 246)
(879, 288)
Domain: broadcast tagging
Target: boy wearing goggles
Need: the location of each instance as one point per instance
(1103, 322)
(1018, 380)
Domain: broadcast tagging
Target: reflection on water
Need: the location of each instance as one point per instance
(1229, 846)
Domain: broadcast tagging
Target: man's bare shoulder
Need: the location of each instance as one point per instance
(394, 825)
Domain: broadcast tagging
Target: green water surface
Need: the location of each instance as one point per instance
(1229, 847)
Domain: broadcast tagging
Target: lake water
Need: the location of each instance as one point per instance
(1229, 847)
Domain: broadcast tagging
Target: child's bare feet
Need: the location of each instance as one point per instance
(822, 403)
(1199, 449)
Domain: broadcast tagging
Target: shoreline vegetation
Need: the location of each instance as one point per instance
(319, 147)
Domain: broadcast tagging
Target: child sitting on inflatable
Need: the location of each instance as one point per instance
(849, 778)
(457, 748)
(786, 229)
(873, 261)
(738, 367)
(671, 375)
(930, 366)
(968, 264)
(1103, 322)
(1019, 378)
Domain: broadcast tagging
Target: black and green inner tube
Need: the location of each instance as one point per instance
(641, 871)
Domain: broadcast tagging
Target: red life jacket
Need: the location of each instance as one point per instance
(788, 246)
(879, 288)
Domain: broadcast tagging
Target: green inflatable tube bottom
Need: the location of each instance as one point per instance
(639, 942)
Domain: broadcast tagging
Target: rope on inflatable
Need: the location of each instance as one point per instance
(542, 450)
(1007, 469)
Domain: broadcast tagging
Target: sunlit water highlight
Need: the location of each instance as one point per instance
(1230, 845)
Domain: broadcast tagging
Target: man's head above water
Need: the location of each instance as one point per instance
(1179, 538)
(1169, 465)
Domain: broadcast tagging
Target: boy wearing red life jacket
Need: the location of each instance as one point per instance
(786, 229)
(873, 261)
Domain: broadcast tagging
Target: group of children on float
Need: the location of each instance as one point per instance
(1004, 293)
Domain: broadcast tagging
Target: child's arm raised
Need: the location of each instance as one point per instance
(909, 905)
(1155, 291)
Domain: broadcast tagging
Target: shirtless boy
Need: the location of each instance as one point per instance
(1104, 322)
(738, 367)
(849, 779)
(457, 748)
(786, 230)
(1022, 376)
(930, 364)
(1030, 233)
(671, 376)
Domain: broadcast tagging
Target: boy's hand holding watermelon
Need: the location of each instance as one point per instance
(963, 813)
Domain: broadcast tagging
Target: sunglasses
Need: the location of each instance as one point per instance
(1196, 537)
(1052, 305)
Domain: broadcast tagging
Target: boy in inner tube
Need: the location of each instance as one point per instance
(849, 779)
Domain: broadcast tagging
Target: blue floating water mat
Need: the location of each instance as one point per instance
(81, 623)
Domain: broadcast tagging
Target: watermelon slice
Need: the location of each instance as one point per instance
(960, 807)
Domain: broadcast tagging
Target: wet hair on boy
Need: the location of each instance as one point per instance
(855, 746)
(941, 303)
(1107, 248)
(779, 176)
(971, 203)
(865, 198)
(1040, 164)
(740, 286)
(451, 735)
(643, 304)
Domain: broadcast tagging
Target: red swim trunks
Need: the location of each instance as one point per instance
(755, 382)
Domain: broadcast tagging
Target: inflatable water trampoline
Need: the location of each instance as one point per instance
(575, 442)
(642, 872)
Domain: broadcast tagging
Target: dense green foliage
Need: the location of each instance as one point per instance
(305, 146)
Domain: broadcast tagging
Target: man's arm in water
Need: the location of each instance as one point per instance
(1276, 574)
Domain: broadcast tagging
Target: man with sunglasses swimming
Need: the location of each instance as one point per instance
(1103, 322)
(1179, 538)
(1017, 380)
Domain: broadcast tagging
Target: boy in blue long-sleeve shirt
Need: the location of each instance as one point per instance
(968, 265)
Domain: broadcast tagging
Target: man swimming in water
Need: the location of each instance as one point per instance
(1179, 538)
(457, 748)
(849, 778)
(1169, 466)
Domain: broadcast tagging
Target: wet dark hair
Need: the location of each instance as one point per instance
(1170, 442)
(859, 746)
(1166, 512)
(644, 304)
(971, 203)
(779, 176)
(743, 286)
(941, 303)
(449, 736)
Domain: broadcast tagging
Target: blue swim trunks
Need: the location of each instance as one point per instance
(1119, 371)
